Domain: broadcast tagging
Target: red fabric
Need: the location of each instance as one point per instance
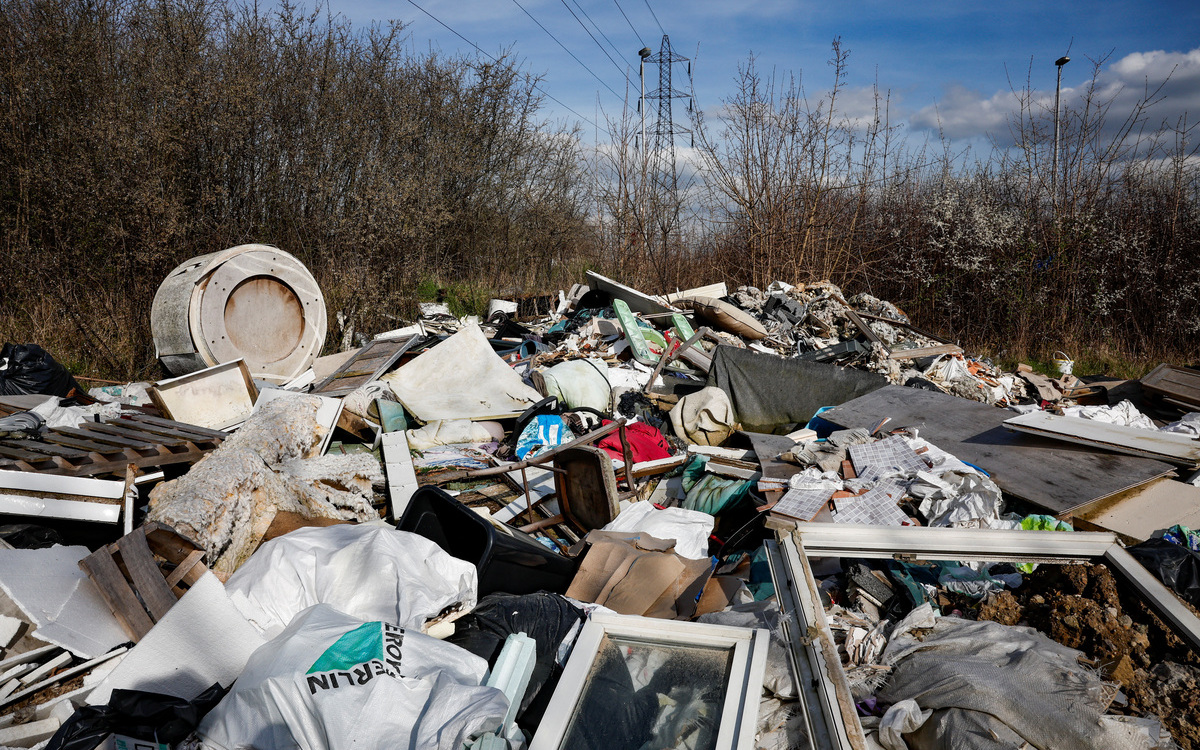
(645, 443)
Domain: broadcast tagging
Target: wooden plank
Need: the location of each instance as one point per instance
(193, 428)
(155, 432)
(54, 450)
(185, 567)
(1175, 447)
(88, 445)
(928, 351)
(379, 354)
(152, 441)
(861, 325)
(103, 570)
(1050, 474)
(891, 321)
(189, 454)
(147, 578)
(24, 455)
(111, 439)
(167, 543)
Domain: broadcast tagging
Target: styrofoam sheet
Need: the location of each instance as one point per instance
(202, 639)
(461, 378)
(60, 600)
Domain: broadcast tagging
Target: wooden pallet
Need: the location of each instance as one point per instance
(138, 588)
(372, 360)
(108, 447)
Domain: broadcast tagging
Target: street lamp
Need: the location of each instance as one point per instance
(1060, 62)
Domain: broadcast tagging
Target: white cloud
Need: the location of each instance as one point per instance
(965, 113)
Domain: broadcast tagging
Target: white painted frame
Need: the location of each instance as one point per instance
(739, 714)
(834, 722)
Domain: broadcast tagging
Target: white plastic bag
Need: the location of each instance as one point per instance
(333, 681)
(689, 528)
(369, 571)
(900, 719)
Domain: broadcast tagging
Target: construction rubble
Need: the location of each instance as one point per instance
(713, 518)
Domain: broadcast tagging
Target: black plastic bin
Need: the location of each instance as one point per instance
(508, 560)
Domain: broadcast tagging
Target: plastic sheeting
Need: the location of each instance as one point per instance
(689, 528)
(453, 432)
(579, 383)
(1124, 413)
(331, 680)
(369, 571)
(461, 378)
(775, 395)
(988, 682)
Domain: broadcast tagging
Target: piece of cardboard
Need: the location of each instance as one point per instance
(718, 594)
(638, 574)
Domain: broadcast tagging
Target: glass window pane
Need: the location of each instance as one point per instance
(648, 695)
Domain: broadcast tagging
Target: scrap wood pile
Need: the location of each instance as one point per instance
(713, 518)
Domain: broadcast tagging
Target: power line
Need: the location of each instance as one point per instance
(597, 41)
(528, 77)
(660, 28)
(596, 26)
(569, 52)
(635, 31)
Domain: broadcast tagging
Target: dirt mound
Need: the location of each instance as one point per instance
(1083, 607)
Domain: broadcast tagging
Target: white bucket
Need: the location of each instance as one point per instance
(1063, 363)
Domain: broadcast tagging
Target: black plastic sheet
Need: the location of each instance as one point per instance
(1176, 566)
(136, 713)
(774, 395)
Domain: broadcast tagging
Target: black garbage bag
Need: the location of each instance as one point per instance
(28, 368)
(136, 713)
(1176, 566)
(29, 536)
(545, 617)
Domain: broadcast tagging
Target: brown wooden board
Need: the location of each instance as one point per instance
(103, 571)
(1054, 476)
(182, 426)
(132, 582)
(372, 360)
(1177, 384)
(113, 439)
(144, 573)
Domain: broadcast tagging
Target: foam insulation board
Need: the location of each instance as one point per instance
(28, 735)
(60, 600)
(10, 627)
(202, 639)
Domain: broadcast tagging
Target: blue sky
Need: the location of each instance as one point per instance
(945, 64)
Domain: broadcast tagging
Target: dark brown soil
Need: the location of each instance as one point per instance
(1082, 606)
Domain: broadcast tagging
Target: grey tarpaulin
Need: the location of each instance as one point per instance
(993, 686)
(773, 395)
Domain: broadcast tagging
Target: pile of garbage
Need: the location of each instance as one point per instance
(776, 518)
